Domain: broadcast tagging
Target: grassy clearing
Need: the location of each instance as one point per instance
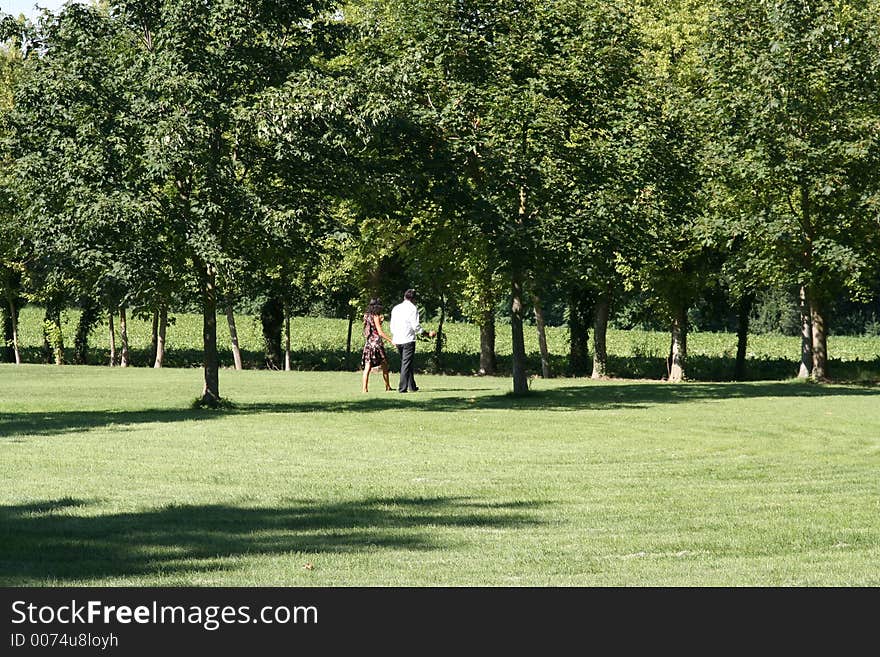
(109, 479)
(319, 344)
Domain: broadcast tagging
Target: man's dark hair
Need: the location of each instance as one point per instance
(410, 295)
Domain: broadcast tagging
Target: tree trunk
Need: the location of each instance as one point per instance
(678, 350)
(87, 319)
(111, 314)
(438, 341)
(820, 340)
(348, 338)
(287, 366)
(272, 319)
(211, 391)
(488, 362)
(600, 333)
(808, 345)
(154, 336)
(578, 356)
(806, 366)
(233, 334)
(542, 337)
(520, 380)
(13, 330)
(8, 355)
(742, 335)
(160, 337)
(53, 338)
(123, 336)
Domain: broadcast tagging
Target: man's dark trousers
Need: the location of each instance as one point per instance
(407, 365)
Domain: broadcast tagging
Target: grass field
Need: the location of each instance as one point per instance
(108, 478)
(319, 344)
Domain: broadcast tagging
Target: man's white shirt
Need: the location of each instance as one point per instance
(404, 322)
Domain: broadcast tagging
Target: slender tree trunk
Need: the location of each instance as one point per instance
(53, 338)
(233, 334)
(520, 379)
(578, 356)
(820, 340)
(678, 350)
(160, 337)
(211, 391)
(287, 366)
(8, 356)
(488, 362)
(348, 338)
(111, 314)
(46, 349)
(742, 335)
(154, 336)
(15, 346)
(806, 366)
(13, 330)
(272, 319)
(438, 340)
(88, 317)
(123, 336)
(600, 332)
(542, 337)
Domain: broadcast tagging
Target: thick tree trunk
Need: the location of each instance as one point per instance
(578, 356)
(287, 360)
(272, 319)
(600, 333)
(678, 350)
(520, 379)
(742, 335)
(542, 337)
(806, 366)
(211, 390)
(348, 338)
(123, 337)
(488, 361)
(233, 334)
(820, 340)
(160, 337)
(88, 317)
(111, 314)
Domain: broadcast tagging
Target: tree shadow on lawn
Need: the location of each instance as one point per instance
(597, 397)
(59, 539)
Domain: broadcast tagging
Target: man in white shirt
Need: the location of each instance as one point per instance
(405, 328)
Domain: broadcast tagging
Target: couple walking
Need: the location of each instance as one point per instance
(405, 328)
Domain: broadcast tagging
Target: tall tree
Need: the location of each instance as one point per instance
(499, 88)
(794, 97)
(669, 261)
(203, 65)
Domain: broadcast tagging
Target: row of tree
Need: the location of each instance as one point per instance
(156, 150)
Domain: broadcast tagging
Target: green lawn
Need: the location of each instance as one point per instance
(108, 478)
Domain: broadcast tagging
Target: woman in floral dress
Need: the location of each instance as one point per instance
(374, 350)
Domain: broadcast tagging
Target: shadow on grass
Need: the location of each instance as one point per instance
(60, 539)
(596, 397)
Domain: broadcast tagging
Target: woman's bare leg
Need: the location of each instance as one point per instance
(385, 374)
(366, 377)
